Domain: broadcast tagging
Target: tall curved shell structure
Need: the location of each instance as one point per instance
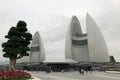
(89, 47)
(37, 53)
(76, 47)
(98, 51)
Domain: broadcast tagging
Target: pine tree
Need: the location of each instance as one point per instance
(17, 44)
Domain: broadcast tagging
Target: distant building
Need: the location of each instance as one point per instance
(85, 47)
(37, 53)
(112, 59)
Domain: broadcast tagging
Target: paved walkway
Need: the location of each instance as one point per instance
(35, 78)
(76, 76)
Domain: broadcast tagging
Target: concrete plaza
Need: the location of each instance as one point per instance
(76, 76)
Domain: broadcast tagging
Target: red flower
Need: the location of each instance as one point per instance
(18, 74)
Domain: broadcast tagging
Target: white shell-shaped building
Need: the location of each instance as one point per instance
(89, 47)
(37, 53)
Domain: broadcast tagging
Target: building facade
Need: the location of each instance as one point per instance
(85, 47)
(79, 46)
(37, 53)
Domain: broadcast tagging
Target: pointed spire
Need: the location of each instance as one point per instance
(74, 18)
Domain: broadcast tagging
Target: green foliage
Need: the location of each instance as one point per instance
(18, 40)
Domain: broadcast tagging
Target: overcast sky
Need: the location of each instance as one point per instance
(52, 17)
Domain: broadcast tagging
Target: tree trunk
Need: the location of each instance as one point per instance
(12, 64)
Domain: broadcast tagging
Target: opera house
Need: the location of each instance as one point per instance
(79, 46)
(85, 47)
(81, 49)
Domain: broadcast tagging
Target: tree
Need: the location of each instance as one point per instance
(17, 44)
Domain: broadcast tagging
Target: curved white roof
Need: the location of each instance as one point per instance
(37, 49)
(98, 51)
(74, 27)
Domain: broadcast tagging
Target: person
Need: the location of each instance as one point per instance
(51, 70)
(62, 71)
(86, 69)
(90, 69)
(82, 71)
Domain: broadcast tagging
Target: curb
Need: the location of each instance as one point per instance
(115, 72)
(34, 78)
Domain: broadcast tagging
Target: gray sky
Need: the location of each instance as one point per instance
(52, 17)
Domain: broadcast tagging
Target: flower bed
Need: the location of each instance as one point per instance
(18, 75)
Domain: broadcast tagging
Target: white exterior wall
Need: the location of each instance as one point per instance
(80, 53)
(68, 44)
(75, 52)
(98, 51)
(39, 55)
(94, 51)
(24, 59)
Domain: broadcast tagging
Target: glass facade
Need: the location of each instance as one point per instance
(36, 48)
(79, 42)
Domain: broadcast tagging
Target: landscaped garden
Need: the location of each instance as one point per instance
(17, 75)
(16, 46)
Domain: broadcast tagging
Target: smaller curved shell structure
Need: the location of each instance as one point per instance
(37, 53)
